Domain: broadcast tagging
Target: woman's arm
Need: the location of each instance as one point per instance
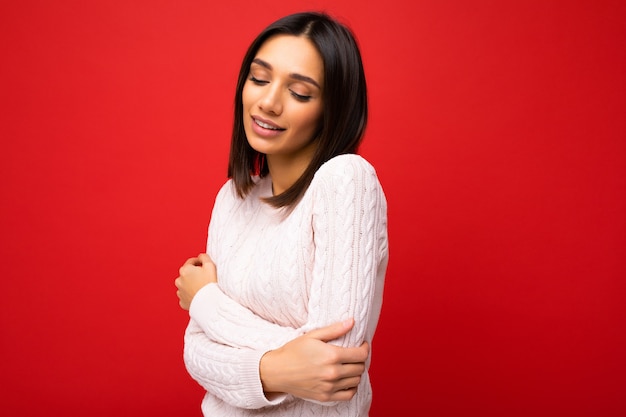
(221, 318)
(351, 253)
(351, 248)
(230, 374)
(311, 368)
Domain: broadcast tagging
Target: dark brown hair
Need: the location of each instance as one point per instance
(344, 114)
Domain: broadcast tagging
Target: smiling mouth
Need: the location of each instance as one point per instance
(266, 125)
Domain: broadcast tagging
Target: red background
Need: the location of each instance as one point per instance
(498, 130)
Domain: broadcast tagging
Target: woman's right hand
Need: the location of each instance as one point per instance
(194, 274)
(309, 368)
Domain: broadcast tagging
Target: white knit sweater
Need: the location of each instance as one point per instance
(281, 276)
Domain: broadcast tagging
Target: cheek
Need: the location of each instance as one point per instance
(310, 119)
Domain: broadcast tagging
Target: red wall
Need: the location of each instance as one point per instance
(499, 133)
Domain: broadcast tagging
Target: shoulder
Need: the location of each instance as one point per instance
(346, 187)
(227, 191)
(227, 198)
(348, 168)
(348, 178)
(347, 165)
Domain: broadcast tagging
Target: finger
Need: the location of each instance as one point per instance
(205, 258)
(351, 370)
(207, 262)
(349, 355)
(343, 395)
(365, 347)
(210, 268)
(193, 261)
(348, 383)
(183, 269)
(177, 283)
(332, 331)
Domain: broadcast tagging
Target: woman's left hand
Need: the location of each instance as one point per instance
(194, 274)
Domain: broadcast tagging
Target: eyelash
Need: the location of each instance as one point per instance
(297, 96)
(300, 97)
(257, 81)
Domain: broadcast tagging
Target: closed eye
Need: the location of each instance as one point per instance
(300, 97)
(257, 81)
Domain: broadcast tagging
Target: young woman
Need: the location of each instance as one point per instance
(286, 300)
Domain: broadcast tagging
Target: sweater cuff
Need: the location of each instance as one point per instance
(251, 379)
(204, 297)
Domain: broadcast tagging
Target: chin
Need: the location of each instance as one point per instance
(259, 145)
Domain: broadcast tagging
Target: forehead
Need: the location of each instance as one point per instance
(288, 54)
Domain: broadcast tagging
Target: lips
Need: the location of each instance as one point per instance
(266, 124)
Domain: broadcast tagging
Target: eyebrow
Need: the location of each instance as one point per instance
(295, 76)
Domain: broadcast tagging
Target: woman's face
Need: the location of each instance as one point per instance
(282, 98)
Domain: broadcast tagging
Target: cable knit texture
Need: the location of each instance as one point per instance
(281, 275)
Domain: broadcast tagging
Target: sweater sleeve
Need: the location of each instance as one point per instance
(227, 322)
(231, 374)
(351, 248)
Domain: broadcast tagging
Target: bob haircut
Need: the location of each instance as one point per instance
(344, 106)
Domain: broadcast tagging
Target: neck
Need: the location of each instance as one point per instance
(286, 169)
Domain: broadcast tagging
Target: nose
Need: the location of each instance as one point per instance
(270, 101)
